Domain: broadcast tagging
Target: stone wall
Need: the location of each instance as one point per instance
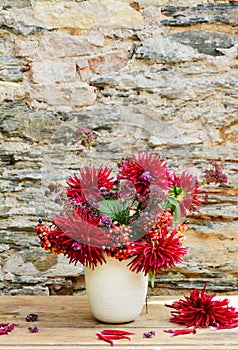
(154, 75)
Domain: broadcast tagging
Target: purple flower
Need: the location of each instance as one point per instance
(31, 317)
(76, 245)
(145, 177)
(106, 222)
(215, 174)
(149, 334)
(85, 135)
(33, 329)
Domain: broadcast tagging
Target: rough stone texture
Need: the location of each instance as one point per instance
(68, 95)
(164, 50)
(50, 72)
(17, 4)
(144, 75)
(111, 62)
(52, 46)
(11, 69)
(204, 13)
(209, 43)
(87, 14)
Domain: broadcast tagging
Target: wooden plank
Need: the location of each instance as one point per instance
(85, 336)
(65, 322)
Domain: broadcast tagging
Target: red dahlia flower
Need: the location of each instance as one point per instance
(57, 242)
(77, 236)
(185, 190)
(82, 228)
(161, 249)
(144, 170)
(201, 310)
(87, 188)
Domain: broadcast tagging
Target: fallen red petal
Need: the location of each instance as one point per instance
(115, 337)
(3, 324)
(11, 327)
(103, 337)
(6, 328)
(176, 332)
(116, 332)
(109, 335)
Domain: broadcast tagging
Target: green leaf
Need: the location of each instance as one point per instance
(175, 208)
(173, 201)
(177, 215)
(114, 209)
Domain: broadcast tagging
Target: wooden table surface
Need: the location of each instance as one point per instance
(66, 323)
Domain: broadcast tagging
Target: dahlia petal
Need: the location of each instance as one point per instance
(6, 328)
(176, 332)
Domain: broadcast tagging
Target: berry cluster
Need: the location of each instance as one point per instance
(42, 233)
(119, 242)
(48, 238)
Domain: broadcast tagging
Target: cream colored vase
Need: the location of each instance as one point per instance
(115, 294)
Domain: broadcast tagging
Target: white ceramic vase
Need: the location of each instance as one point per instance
(115, 294)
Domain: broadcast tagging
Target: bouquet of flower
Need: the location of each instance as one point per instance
(137, 214)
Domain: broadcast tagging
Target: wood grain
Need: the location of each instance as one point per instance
(65, 322)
